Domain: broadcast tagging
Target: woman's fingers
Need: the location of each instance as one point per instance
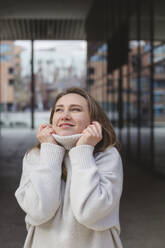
(45, 127)
(44, 134)
(92, 130)
(95, 129)
(41, 127)
(91, 135)
(45, 131)
(98, 127)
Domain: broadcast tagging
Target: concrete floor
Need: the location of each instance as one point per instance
(142, 212)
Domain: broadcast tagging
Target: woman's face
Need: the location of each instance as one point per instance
(71, 115)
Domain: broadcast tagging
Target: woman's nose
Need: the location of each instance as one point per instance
(65, 115)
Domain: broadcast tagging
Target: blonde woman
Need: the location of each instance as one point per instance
(71, 181)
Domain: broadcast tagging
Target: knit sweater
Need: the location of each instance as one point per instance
(82, 212)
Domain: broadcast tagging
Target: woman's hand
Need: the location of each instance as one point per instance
(91, 135)
(44, 134)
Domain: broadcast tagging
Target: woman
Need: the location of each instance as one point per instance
(71, 182)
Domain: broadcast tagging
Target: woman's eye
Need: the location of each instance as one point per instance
(57, 110)
(76, 109)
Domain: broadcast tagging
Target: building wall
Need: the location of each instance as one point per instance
(7, 63)
(9, 67)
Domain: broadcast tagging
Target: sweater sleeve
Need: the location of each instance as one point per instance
(39, 191)
(96, 186)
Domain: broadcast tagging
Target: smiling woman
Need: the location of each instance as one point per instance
(72, 181)
(69, 118)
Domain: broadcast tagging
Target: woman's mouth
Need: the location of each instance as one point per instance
(66, 125)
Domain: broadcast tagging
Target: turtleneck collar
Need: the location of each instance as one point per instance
(67, 141)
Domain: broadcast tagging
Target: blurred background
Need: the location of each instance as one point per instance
(115, 49)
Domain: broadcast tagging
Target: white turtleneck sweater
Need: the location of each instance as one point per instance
(82, 212)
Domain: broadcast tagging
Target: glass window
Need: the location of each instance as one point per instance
(11, 70)
(11, 81)
(5, 58)
(5, 48)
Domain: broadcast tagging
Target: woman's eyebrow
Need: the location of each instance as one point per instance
(75, 105)
(60, 105)
(72, 105)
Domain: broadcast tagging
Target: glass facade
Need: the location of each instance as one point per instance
(132, 90)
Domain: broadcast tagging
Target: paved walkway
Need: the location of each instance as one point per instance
(142, 211)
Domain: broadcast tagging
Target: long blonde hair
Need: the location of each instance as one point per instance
(96, 114)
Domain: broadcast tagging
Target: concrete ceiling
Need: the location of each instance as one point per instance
(58, 19)
(42, 29)
(93, 20)
(45, 9)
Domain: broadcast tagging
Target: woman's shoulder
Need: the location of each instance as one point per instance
(109, 160)
(109, 151)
